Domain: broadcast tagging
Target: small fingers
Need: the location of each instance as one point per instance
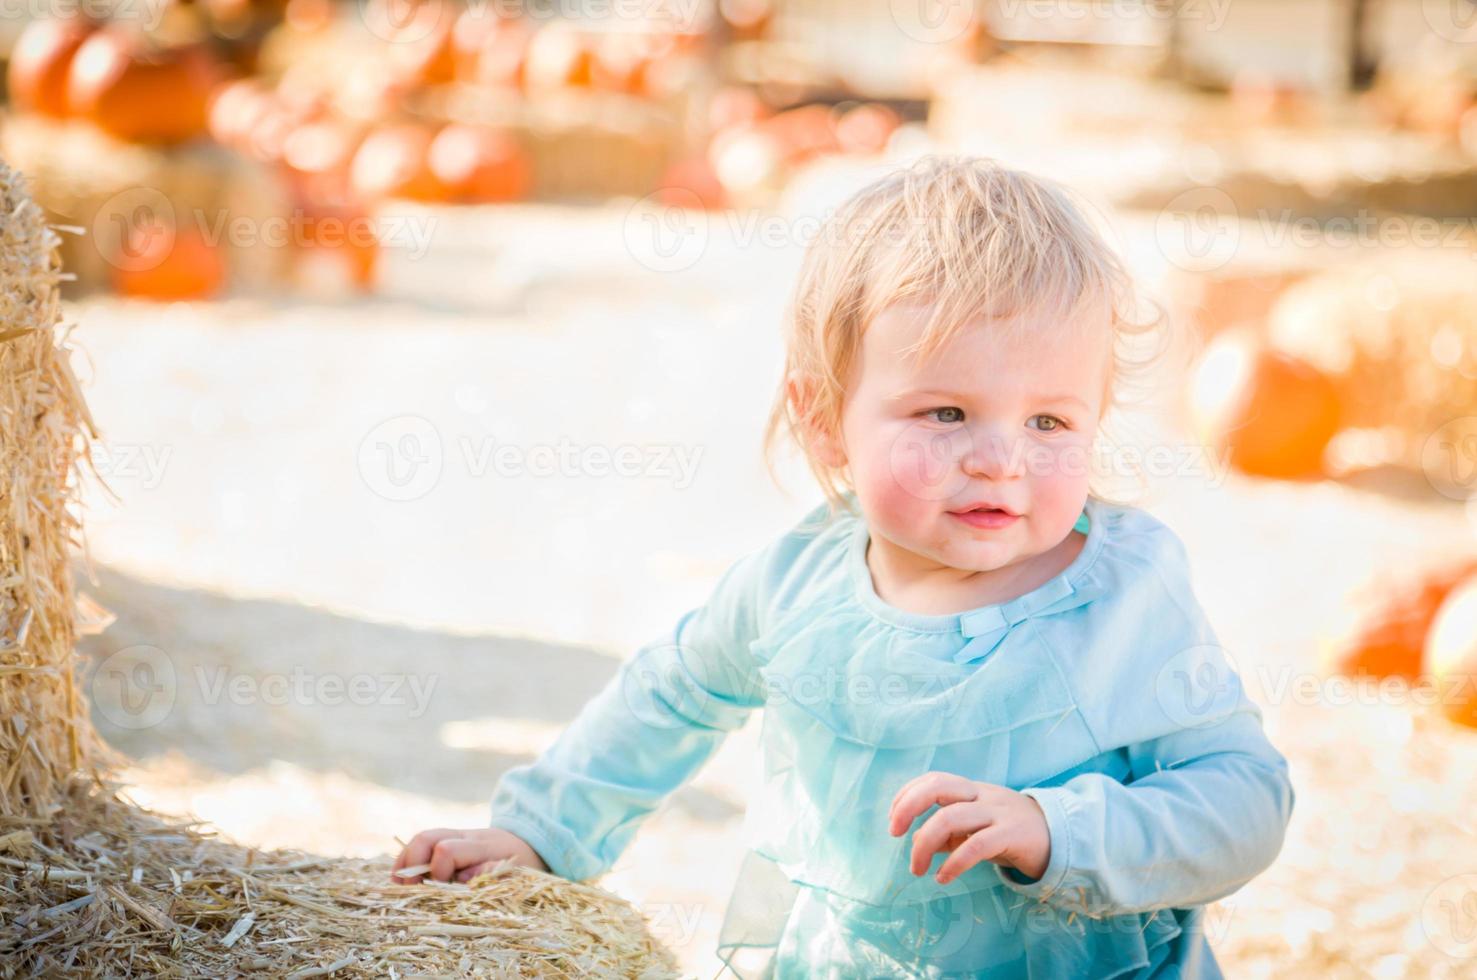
(418, 851)
(950, 823)
(917, 796)
(985, 844)
(453, 854)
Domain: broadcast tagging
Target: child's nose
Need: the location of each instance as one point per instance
(993, 454)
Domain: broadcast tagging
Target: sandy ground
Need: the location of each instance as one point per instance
(338, 620)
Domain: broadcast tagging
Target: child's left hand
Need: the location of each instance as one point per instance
(976, 821)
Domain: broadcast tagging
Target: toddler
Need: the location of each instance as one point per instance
(1000, 739)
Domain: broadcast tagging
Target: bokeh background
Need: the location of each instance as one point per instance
(431, 343)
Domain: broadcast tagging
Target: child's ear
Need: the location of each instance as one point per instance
(826, 446)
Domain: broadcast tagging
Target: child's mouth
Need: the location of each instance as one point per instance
(990, 518)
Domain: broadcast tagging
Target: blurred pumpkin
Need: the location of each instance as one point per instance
(393, 162)
(480, 165)
(735, 104)
(1390, 640)
(745, 157)
(41, 61)
(692, 181)
(234, 110)
(420, 50)
(503, 60)
(620, 62)
(141, 94)
(1268, 412)
(558, 56)
(168, 263)
(866, 128)
(1451, 654)
(803, 132)
(747, 20)
(343, 233)
(317, 156)
(473, 30)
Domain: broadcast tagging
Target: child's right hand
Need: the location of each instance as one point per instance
(462, 855)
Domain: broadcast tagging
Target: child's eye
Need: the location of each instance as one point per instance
(1049, 423)
(947, 414)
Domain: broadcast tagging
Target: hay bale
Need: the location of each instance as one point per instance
(1399, 340)
(108, 889)
(93, 886)
(44, 735)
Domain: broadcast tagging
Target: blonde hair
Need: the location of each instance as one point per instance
(965, 235)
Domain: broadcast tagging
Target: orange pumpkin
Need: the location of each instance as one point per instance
(164, 263)
(1451, 654)
(620, 63)
(804, 132)
(1271, 414)
(421, 50)
(139, 94)
(866, 128)
(41, 60)
(392, 162)
(317, 156)
(690, 181)
(473, 30)
(733, 105)
(1390, 641)
(480, 165)
(345, 233)
(235, 109)
(559, 56)
(503, 60)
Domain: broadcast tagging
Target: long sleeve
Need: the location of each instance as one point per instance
(1205, 809)
(643, 734)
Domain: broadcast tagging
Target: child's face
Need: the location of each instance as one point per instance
(982, 422)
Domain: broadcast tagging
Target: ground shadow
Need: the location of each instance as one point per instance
(236, 683)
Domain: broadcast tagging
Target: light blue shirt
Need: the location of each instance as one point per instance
(1103, 694)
